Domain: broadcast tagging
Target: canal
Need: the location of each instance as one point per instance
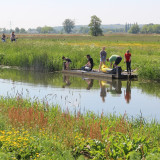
(133, 98)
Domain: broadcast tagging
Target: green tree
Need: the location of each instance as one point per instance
(4, 30)
(126, 27)
(148, 28)
(157, 28)
(46, 29)
(68, 25)
(151, 28)
(94, 25)
(134, 29)
(84, 30)
(22, 30)
(17, 30)
(38, 29)
(144, 29)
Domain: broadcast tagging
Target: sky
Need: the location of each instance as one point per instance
(33, 13)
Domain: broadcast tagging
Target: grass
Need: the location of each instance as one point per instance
(30, 130)
(44, 52)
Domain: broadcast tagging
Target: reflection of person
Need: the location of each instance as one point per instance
(127, 59)
(67, 62)
(103, 90)
(90, 83)
(13, 37)
(127, 93)
(66, 80)
(89, 65)
(103, 56)
(116, 59)
(117, 85)
(3, 37)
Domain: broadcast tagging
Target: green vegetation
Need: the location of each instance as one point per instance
(68, 25)
(95, 25)
(44, 52)
(30, 130)
(151, 28)
(134, 29)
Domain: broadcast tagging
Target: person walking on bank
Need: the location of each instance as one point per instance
(13, 37)
(127, 60)
(116, 59)
(3, 37)
(103, 56)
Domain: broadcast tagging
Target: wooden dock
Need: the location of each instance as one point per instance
(100, 75)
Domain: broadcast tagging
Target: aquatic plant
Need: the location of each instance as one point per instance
(31, 130)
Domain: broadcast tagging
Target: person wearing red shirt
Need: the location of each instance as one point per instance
(127, 59)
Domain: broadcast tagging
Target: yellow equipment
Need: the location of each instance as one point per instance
(105, 69)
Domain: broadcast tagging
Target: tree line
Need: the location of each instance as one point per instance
(94, 28)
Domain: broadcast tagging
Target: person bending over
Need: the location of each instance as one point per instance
(115, 60)
(67, 62)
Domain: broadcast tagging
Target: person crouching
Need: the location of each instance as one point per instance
(66, 63)
(89, 65)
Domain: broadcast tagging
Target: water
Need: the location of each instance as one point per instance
(75, 93)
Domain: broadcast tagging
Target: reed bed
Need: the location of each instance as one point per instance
(44, 52)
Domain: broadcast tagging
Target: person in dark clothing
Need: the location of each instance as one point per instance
(89, 65)
(67, 62)
(3, 37)
(13, 37)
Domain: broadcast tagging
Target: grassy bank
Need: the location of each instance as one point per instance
(35, 131)
(44, 52)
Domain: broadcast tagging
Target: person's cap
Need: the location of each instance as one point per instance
(88, 55)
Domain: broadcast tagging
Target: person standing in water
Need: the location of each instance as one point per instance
(103, 56)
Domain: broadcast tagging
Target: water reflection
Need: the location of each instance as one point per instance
(73, 92)
(90, 83)
(66, 81)
(127, 92)
(103, 92)
(115, 87)
(112, 86)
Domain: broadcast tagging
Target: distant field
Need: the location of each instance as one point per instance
(44, 52)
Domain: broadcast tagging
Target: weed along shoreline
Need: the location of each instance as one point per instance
(45, 54)
(31, 130)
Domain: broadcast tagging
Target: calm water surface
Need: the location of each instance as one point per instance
(76, 93)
